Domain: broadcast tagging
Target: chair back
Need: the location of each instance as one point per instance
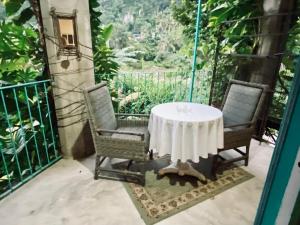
(242, 102)
(99, 107)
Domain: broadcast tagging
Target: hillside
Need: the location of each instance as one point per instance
(145, 36)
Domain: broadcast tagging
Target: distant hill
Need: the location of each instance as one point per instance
(120, 10)
(145, 31)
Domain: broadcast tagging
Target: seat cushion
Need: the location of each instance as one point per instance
(241, 104)
(138, 129)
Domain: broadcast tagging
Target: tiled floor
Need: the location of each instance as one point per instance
(67, 194)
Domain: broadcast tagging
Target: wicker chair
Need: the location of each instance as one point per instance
(241, 107)
(115, 137)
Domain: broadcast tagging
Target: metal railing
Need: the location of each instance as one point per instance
(28, 139)
(139, 92)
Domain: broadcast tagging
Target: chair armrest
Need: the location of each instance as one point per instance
(239, 125)
(132, 122)
(128, 114)
(99, 131)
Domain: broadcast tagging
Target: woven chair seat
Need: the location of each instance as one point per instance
(138, 129)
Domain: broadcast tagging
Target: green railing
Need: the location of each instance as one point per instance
(28, 139)
(139, 92)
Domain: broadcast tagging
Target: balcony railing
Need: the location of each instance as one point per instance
(139, 92)
(28, 138)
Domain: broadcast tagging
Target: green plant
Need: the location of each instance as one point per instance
(27, 142)
(104, 59)
(236, 37)
(138, 93)
(14, 142)
(27, 138)
(21, 57)
(146, 29)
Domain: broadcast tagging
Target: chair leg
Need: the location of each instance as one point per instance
(247, 155)
(151, 154)
(214, 167)
(129, 164)
(119, 174)
(97, 164)
(143, 178)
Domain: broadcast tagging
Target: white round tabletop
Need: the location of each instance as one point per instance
(186, 130)
(186, 112)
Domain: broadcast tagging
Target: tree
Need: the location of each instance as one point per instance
(20, 50)
(215, 13)
(262, 40)
(266, 71)
(104, 63)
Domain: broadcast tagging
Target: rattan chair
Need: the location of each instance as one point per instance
(241, 107)
(115, 137)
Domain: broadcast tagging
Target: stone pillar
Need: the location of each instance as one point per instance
(70, 73)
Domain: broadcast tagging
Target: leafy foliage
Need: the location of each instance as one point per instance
(12, 7)
(213, 26)
(139, 93)
(104, 59)
(26, 139)
(25, 132)
(20, 51)
(235, 37)
(146, 31)
(286, 72)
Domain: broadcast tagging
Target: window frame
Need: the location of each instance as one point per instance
(62, 50)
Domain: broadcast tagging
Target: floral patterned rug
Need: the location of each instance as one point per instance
(163, 197)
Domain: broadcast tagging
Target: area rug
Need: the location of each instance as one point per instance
(163, 197)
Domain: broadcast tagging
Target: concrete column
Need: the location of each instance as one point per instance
(70, 77)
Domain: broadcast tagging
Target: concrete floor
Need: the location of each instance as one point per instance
(67, 194)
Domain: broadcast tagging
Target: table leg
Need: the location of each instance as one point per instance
(172, 168)
(187, 169)
(182, 169)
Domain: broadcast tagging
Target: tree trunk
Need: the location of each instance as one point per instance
(35, 5)
(264, 68)
(274, 30)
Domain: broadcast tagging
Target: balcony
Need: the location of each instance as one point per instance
(66, 193)
(43, 123)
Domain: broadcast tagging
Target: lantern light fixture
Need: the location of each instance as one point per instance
(65, 31)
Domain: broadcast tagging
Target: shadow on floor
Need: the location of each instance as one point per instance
(204, 166)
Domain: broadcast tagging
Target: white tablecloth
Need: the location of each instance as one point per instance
(186, 130)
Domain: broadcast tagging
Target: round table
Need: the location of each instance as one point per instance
(186, 130)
